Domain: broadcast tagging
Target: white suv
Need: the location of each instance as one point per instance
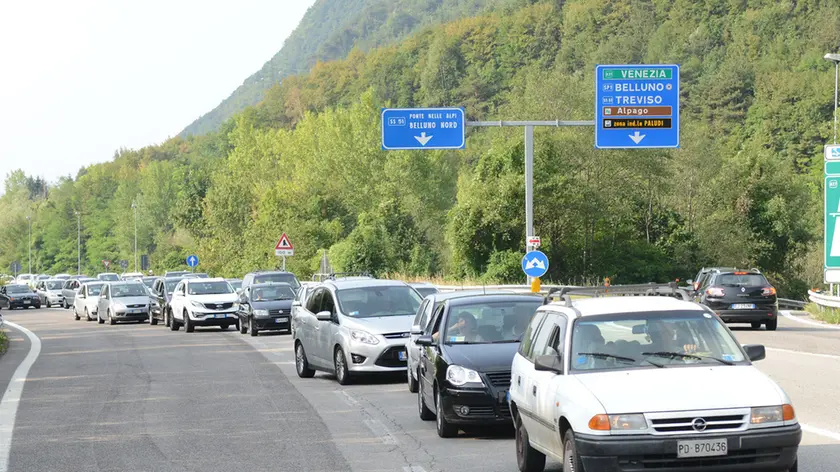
(647, 382)
(203, 302)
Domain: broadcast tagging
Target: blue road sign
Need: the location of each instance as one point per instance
(192, 261)
(637, 106)
(535, 264)
(423, 128)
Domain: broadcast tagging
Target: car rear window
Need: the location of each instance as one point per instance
(742, 280)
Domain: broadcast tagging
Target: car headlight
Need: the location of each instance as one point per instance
(363, 337)
(119, 306)
(460, 376)
(620, 423)
(772, 414)
(234, 306)
(260, 313)
(197, 304)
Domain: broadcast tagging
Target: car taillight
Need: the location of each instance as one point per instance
(696, 285)
(767, 291)
(715, 292)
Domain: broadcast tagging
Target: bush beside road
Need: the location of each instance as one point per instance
(826, 314)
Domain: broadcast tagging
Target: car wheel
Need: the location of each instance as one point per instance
(301, 364)
(755, 324)
(76, 316)
(571, 460)
(173, 323)
(87, 315)
(48, 304)
(795, 466)
(342, 374)
(425, 413)
(188, 326)
(444, 428)
(527, 458)
(98, 317)
(242, 328)
(152, 320)
(772, 324)
(252, 327)
(111, 320)
(412, 382)
(224, 327)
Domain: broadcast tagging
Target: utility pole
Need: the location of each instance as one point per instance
(29, 219)
(79, 243)
(134, 207)
(529, 162)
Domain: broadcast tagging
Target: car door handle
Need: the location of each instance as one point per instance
(534, 390)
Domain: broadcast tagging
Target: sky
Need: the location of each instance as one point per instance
(81, 79)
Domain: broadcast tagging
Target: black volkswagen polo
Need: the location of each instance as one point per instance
(465, 358)
(266, 307)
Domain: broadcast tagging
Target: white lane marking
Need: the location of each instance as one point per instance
(820, 432)
(11, 398)
(786, 314)
(381, 431)
(347, 398)
(813, 354)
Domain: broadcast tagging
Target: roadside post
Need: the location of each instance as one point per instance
(284, 249)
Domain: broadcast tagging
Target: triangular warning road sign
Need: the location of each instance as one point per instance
(284, 243)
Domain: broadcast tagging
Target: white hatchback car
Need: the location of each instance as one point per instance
(86, 301)
(617, 383)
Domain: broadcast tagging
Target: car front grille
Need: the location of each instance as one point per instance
(499, 379)
(218, 306)
(391, 357)
(278, 312)
(671, 461)
(713, 422)
(135, 306)
(396, 335)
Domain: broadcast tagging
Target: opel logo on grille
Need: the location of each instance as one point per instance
(699, 424)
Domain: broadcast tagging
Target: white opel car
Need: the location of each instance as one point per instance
(203, 302)
(86, 301)
(618, 383)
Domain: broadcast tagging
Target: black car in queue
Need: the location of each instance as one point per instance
(741, 296)
(266, 307)
(161, 294)
(18, 296)
(465, 360)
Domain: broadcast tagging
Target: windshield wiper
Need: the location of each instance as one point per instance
(604, 355)
(503, 341)
(675, 355)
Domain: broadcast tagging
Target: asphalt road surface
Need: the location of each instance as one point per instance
(142, 398)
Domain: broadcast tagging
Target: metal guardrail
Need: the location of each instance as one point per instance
(823, 299)
(791, 304)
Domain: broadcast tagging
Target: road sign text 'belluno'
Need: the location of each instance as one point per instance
(423, 128)
(637, 106)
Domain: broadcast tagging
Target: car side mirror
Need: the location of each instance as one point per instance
(416, 330)
(550, 363)
(324, 316)
(424, 341)
(755, 352)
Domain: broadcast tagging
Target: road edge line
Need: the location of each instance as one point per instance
(786, 314)
(820, 432)
(11, 397)
(802, 353)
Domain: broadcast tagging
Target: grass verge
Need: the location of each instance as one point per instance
(829, 315)
(4, 341)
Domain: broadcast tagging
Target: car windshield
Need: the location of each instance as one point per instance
(236, 284)
(94, 289)
(17, 289)
(281, 278)
(149, 281)
(209, 288)
(108, 277)
(424, 291)
(654, 339)
(279, 292)
(369, 302)
(54, 284)
(742, 280)
(489, 322)
(128, 290)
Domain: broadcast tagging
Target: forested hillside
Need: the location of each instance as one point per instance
(329, 30)
(744, 189)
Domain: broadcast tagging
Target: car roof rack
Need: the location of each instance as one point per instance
(651, 289)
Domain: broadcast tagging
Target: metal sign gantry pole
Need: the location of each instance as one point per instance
(529, 160)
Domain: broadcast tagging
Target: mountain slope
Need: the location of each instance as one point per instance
(328, 31)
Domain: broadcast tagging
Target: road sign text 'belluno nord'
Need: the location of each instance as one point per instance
(637, 106)
(423, 128)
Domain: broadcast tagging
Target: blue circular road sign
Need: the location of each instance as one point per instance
(535, 264)
(192, 261)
